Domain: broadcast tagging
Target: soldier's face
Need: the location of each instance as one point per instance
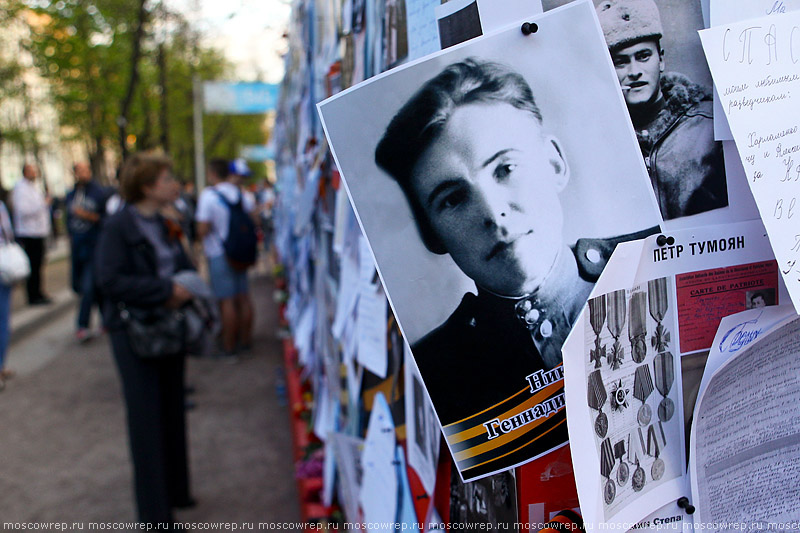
(489, 186)
(639, 69)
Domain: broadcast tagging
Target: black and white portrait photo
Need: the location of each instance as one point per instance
(671, 112)
(493, 181)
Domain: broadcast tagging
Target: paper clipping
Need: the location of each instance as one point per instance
(626, 362)
(745, 444)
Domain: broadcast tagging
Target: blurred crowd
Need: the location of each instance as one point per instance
(168, 270)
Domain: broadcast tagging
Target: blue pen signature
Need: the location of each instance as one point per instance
(738, 336)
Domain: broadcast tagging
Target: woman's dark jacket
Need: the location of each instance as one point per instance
(126, 267)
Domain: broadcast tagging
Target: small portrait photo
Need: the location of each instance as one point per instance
(667, 86)
(760, 298)
(493, 181)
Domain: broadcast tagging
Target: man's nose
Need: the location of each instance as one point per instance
(496, 212)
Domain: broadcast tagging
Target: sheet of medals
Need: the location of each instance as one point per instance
(631, 373)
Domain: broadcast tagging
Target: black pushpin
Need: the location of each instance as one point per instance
(661, 240)
(683, 503)
(529, 27)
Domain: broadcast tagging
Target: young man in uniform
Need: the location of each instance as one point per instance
(672, 115)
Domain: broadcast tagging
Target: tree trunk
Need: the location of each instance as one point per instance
(163, 110)
(138, 36)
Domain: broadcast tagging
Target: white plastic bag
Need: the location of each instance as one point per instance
(14, 263)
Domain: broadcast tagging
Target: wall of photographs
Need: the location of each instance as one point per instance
(471, 431)
(369, 445)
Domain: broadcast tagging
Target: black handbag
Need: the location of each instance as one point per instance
(154, 333)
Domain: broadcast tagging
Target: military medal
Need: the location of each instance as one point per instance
(606, 466)
(619, 396)
(642, 387)
(657, 298)
(616, 321)
(597, 316)
(657, 468)
(622, 470)
(664, 372)
(597, 398)
(639, 477)
(637, 326)
(541, 327)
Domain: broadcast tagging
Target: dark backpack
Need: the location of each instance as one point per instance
(241, 244)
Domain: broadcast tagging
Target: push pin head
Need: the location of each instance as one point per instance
(683, 503)
(661, 240)
(529, 27)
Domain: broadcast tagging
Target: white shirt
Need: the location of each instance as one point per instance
(211, 209)
(31, 213)
(6, 231)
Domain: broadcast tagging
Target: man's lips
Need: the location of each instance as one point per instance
(637, 84)
(502, 246)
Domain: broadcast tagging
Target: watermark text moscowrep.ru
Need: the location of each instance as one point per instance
(389, 526)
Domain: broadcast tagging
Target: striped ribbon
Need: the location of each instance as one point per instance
(596, 391)
(664, 371)
(606, 458)
(642, 383)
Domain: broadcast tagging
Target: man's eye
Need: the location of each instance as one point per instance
(643, 56)
(504, 170)
(453, 199)
(620, 61)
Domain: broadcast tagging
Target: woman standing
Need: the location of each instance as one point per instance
(135, 261)
(6, 235)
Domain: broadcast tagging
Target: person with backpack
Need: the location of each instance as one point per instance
(226, 227)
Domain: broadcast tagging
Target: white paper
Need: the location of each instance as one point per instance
(704, 286)
(372, 309)
(347, 451)
(423, 32)
(378, 494)
(753, 65)
(730, 11)
(422, 428)
(496, 14)
(745, 444)
(348, 293)
(303, 334)
(371, 329)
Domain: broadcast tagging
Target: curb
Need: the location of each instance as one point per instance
(28, 320)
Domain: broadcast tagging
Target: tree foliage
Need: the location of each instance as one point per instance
(121, 74)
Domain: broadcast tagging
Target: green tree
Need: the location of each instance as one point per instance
(121, 77)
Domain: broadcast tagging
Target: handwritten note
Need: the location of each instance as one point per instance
(423, 32)
(731, 11)
(756, 68)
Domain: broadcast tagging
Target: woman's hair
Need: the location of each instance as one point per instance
(423, 117)
(139, 171)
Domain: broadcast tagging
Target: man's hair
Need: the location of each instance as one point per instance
(139, 171)
(421, 120)
(757, 295)
(219, 166)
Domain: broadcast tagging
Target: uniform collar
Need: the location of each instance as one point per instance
(547, 313)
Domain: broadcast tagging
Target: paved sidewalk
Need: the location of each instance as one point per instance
(64, 443)
(26, 319)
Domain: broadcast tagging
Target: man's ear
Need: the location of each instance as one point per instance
(661, 60)
(558, 162)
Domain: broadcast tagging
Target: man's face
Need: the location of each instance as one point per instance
(758, 302)
(489, 186)
(83, 174)
(30, 172)
(639, 69)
